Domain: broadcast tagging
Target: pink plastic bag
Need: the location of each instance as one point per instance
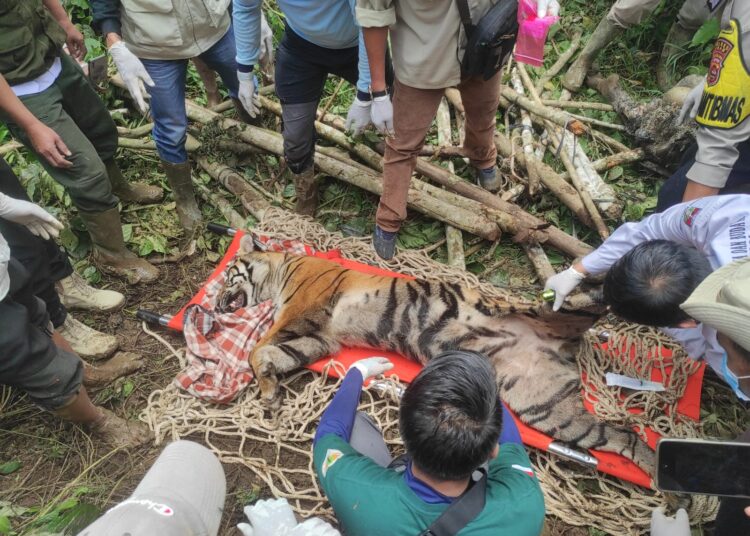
(532, 33)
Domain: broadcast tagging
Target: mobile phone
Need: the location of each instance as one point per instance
(703, 467)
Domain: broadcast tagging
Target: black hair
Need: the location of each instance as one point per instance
(648, 284)
(450, 416)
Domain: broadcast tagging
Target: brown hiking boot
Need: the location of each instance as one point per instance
(675, 45)
(605, 33)
(307, 192)
(87, 342)
(178, 176)
(131, 192)
(110, 253)
(101, 375)
(116, 432)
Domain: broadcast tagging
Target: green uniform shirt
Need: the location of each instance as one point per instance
(372, 500)
(30, 40)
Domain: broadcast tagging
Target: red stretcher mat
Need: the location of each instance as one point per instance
(610, 463)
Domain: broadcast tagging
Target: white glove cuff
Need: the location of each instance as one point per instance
(575, 273)
(362, 369)
(245, 76)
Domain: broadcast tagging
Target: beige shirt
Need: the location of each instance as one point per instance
(427, 37)
(173, 29)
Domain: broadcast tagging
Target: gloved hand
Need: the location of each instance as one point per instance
(372, 366)
(268, 517)
(546, 8)
(266, 44)
(662, 525)
(314, 527)
(381, 112)
(692, 103)
(358, 117)
(34, 218)
(133, 73)
(248, 93)
(563, 284)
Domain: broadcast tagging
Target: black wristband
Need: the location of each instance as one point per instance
(363, 96)
(376, 94)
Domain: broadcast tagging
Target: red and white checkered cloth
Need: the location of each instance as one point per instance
(219, 344)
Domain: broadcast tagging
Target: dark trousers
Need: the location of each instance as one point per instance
(738, 182)
(44, 260)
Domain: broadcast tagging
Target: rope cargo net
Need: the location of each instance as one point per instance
(278, 449)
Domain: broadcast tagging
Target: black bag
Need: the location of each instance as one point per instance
(491, 41)
(462, 511)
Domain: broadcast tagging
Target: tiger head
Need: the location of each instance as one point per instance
(247, 280)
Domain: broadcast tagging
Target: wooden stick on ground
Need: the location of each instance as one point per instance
(233, 217)
(527, 137)
(539, 261)
(453, 237)
(578, 105)
(562, 60)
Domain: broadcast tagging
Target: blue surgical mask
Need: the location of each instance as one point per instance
(733, 380)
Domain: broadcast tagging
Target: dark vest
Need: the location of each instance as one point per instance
(30, 40)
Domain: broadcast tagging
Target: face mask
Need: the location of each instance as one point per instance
(733, 380)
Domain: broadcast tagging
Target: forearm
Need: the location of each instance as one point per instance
(15, 109)
(338, 418)
(58, 12)
(246, 23)
(363, 82)
(376, 40)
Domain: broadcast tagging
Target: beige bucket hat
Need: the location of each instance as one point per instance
(722, 301)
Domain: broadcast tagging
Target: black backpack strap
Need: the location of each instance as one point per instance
(465, 13)
(463, 510)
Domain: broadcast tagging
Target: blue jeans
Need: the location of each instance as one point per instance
(168, 94)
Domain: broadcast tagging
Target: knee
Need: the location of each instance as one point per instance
(299, 147)
(170, 138)
(91, 191)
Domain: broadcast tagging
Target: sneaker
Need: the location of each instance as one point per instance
(87, 342)
(76, 294)
(488, 179)
(384, 243)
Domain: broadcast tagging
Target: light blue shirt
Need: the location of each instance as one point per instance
(330, 24)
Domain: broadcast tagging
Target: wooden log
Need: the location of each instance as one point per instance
(454, 240)
(539, 261)
(578, 105)
(567, 194)
(527, 137)
(137, 132)
(252, 200)
(617, 159)
(556, 116)
(233, 217)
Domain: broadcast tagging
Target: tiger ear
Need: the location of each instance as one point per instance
(246, 244)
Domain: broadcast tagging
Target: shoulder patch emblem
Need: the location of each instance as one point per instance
(722, 48)
(688, 217)
(332, 456)
(528, 470)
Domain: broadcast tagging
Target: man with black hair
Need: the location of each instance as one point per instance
(452, 423)
(655, 264)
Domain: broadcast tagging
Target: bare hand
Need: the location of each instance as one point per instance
(696, 190)
(48, 144)
(75, 42)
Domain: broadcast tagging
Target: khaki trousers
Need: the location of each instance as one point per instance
(629, 13)
(413, 112)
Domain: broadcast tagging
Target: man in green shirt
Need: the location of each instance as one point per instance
(452, 422)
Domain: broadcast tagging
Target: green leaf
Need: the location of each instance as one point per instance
(706, 33)
(127, 388)
(4, 525)
(10, 467)
(69, 239)
(127, 232)
(615, 173)
(145, 248)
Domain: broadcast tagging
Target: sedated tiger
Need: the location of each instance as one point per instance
(321, 306)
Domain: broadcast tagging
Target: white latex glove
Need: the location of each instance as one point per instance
(266, 43)
(314, 527)
(133, 73)
(268, 517)
(248, 93)
(662, 525)
(563, 284)
(34, 218)
(381, 112)
(692, 103)
(372, 366)
(358, 117)
(546, 8)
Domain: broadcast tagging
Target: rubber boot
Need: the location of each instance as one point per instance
(178, 176)
(75, 293)
(307, 192)
(87, 342)
(677, 39)
(110, 253)
(131, 192)
(604, 34)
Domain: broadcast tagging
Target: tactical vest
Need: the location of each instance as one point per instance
(30, 40)
(726, 96)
